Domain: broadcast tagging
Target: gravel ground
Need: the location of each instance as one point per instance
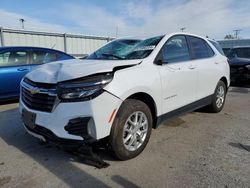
(195, 150)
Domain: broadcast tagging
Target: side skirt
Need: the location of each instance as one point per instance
(185, 109)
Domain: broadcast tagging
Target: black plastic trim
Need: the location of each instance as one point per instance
(185, 109)
(51, 137)
(79, 127)
(124, 67)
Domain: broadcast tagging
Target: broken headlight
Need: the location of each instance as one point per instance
(83, 89)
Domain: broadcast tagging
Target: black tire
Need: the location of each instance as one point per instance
(126, 111)
(213, 107)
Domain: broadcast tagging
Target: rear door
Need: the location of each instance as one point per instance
(14, 64)
(40, 56)
(208, 66)
(178, 74)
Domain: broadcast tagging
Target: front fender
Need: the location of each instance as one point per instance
(137, 79)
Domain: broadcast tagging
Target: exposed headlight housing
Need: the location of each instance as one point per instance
(83, 89)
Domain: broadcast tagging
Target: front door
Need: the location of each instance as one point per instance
(178, 74)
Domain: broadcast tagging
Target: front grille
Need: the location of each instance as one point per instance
(38, 98)
(39, 84)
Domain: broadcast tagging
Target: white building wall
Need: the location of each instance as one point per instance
(70, 43)
(75, 45)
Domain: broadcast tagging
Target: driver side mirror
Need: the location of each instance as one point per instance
(159, 59)
(159, 62)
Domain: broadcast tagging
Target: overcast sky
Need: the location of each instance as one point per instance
(214, 18)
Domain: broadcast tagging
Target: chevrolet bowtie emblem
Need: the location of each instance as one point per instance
(34, 90)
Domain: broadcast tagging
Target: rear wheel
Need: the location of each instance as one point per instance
(219, 97)
(131, 129)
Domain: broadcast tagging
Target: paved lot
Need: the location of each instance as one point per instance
(195, 150)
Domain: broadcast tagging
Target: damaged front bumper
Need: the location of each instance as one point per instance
(83, 149)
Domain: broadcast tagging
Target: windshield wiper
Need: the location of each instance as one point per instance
(111, 55)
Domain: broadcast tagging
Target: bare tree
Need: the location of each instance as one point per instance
(229, 36)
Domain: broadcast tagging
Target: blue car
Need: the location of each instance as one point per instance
(15, 62)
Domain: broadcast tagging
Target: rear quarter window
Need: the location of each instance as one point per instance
(217, 46)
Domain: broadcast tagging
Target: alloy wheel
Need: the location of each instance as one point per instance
(135, 131)
(220, 96)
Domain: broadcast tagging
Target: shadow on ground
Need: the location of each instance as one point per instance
(174, 122)
(52, 158)
(239, 85)
(240, 146)
(10, 101)
(240, 90)
(123, 182)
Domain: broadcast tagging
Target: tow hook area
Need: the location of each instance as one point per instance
(87, 154)
(87, 151)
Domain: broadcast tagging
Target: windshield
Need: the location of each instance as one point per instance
(239, 52)
(114, 50)
(144, 48)
(125, 51)
(243, 52)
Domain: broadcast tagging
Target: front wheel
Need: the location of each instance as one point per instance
(219, 98)
(131, 129)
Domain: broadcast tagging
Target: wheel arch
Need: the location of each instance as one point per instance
(224, 79)
(149, 101)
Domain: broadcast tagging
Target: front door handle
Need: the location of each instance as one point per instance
(216, 62)
(191, 67)
(22, 69)
(173, 68)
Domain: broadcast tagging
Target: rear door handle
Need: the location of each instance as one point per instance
(216, 63)
(22, 69)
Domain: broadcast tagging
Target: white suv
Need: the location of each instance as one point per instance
(123, 90)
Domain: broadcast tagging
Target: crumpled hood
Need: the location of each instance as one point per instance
(71, 69)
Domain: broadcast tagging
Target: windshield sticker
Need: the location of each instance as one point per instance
(143, 48)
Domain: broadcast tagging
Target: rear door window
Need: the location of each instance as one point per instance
(199, 48)
(13, 58)
(41, 57)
